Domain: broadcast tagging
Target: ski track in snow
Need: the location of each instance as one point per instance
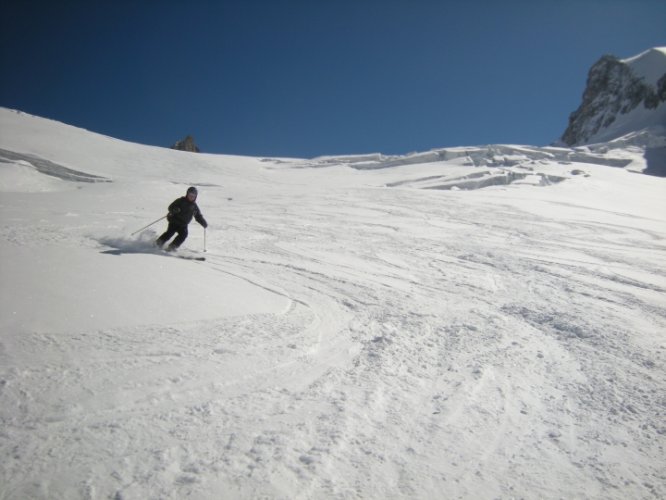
(410, 323)
(434, 346)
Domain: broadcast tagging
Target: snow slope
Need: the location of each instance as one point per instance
(649, 65)
(363, 326)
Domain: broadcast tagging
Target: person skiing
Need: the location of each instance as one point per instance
(180, 215)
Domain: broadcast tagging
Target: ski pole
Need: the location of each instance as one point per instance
(204, 239)
(146, 227)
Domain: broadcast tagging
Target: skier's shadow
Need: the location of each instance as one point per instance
(119, 246)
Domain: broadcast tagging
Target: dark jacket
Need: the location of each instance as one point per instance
(182, 210)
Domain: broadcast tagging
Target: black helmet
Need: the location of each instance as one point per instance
(192, 190)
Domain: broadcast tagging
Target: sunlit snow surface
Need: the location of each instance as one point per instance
(363, 327)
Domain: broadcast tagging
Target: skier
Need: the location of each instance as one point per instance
(180, 215)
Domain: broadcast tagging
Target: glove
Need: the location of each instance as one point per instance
(205, 224)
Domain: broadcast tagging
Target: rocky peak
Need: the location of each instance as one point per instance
(186, 144)
(619, 98)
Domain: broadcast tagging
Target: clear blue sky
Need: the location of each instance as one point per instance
(313, 77)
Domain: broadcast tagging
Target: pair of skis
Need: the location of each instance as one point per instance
(190, 257)
(175, 253)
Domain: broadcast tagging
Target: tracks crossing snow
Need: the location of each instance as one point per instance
(433, 346)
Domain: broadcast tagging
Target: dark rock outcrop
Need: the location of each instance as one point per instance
(187, 144)
(613, 90)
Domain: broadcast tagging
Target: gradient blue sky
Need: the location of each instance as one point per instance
(307, 78)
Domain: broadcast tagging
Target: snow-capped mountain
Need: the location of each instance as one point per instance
(622, 97)
(481, 322)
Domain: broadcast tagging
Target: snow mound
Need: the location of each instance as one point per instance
(82, 290)
(21, 177)
(48, 167)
